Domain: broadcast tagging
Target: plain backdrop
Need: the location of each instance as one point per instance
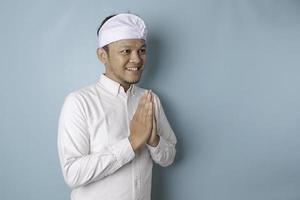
(227, 73)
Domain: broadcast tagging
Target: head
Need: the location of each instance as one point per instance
(122, 48)
(105, 20)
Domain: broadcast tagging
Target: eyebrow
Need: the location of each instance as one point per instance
(128, 46)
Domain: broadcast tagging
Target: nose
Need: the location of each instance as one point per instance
(135, 58)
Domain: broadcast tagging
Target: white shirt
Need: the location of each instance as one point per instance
(96, 157)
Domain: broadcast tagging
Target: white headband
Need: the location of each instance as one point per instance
(122, 26)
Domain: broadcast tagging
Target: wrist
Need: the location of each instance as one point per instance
(133, 143)
(154, 142)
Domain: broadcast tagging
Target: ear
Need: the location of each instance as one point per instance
(102, 55)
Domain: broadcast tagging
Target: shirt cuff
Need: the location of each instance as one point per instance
(123, 151)
(158, 148)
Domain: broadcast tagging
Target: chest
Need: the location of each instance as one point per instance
(108, 120)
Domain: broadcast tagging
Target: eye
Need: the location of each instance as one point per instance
(142, 51)
(125, 51)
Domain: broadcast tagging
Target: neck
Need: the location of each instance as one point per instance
(125, 86)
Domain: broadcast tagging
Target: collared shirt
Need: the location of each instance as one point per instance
(96, 157)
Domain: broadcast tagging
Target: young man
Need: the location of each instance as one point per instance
(110, 132)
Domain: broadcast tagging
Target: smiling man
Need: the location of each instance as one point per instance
(111, 132)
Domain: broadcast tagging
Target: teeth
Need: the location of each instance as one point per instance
(132, 68)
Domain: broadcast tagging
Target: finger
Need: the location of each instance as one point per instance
(151, 95)
(154, 128)
(152, 101)
(150, 112)
(143, 98)
(141, 104)
(144, 106)
(152, 98)
(146, 110)
(154, 119)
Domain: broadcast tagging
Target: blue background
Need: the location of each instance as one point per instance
(227, 73)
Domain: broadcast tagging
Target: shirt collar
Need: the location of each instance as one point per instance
(112, 86)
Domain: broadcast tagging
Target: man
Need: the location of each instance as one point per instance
(110, 132)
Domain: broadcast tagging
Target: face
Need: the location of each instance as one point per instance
(125, 60)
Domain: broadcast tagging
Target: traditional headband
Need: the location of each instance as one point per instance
(122, 26)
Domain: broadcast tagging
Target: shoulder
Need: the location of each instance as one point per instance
(82, 97)
(83, 93)
(79, 101)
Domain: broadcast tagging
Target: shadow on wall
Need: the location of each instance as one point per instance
(160, 189)
(153, 60)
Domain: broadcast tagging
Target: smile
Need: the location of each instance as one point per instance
(132, 68)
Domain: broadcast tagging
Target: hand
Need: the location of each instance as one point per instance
(154, 138)
(142, 122)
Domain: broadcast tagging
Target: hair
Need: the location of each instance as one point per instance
(102, 23)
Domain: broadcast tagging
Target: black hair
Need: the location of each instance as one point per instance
(102, 23)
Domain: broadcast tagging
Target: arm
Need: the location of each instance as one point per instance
(164, 153)
(78, 165)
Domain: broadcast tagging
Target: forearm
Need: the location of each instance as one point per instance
(81, 170)
(154, 142)
(164, 153)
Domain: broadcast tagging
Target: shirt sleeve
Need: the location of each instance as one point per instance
(164, 153)
(79, 166)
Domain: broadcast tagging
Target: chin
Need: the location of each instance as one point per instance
(133, 81)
